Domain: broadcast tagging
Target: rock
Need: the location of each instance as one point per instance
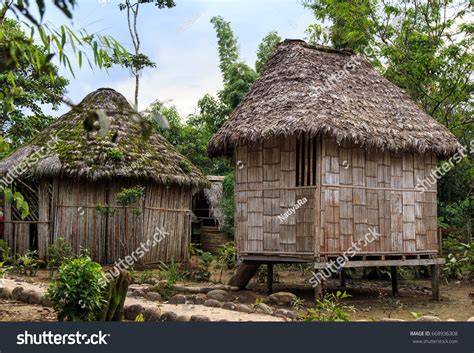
(283, 298)
(205, 290)
(234, 288)
(45, 301)
(199, 318)
(184, 289)
(213, 303)
(16, 293)
(177, 299)
(452, 320)
(24, 295)
(220, 295)
(200, 299)
(285, 314)
(428, 318)
(34, 298)
(471, 319)
(169, 316)
(138, 293)
(243, 308)
(153, 296)
(229, 306)
(132, 311)
(152, 314)
(264, 309)
(183, 318)
(6, 293)
(140, 287)
(388, 319)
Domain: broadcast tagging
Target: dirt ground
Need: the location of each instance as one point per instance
(371, 299)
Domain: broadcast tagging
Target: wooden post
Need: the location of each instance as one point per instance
(43, 214)
(269, 279)
(342, 278)
(394, 275)
(435, 282)
(318, 288)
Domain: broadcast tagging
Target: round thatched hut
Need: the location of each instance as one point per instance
(100, 178)
(330, 151)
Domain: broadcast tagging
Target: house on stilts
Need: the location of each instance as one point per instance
(102, 179)
(332, 151)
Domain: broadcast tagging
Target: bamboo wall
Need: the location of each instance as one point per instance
(72, 214)
(354, 190)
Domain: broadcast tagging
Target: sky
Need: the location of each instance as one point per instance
(181, 41)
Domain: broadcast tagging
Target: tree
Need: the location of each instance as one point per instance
(26, 118)
(266, 50)
(138, 61)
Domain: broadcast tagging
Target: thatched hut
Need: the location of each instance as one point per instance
(107, 183)
(331, 150)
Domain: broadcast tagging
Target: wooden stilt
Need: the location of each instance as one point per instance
(394, 275)
(269, 279)
(244, 274)
(435, 282)
(342, 278)
(318, 288)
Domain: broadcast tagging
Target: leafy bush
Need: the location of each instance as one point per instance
(330, 308)
(129, 196)
(27, 264)
(59, 253)
(226, 258)
(460, 259)
(227, 204)
(77, 295)
(105, 210)
(4, 251)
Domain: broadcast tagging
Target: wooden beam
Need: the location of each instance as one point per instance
(43, 215)
(244, 274)
(435, 282)
(380, 263)
(394, 276)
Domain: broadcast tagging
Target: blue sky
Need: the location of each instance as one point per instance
(181, 41)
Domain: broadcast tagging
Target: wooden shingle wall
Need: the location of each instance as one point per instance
(377, 190)
(359, 190)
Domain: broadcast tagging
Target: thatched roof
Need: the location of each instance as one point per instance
(311, 90)
(126, 150)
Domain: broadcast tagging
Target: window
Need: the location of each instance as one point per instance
(305, 161)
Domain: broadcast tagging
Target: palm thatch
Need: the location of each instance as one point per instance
(128, 148)
(309, 90)
(214, 195)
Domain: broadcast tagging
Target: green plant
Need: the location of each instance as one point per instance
(199, 264)
(129, 196)
(171, 272)
(140, 318)
(145, 277)
(115, 153)
(226, 258)
(4, 251)
(227, 204)
(136, 211)
(77, 295)
(297, 303)
(27, 264)
(105, 210)
(460, 260)
(329, 309)
(58, 253)
(185, 166)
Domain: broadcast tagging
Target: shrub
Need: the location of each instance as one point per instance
(27, 264)
(227, 204)
(129, 196)
(330, 308)
(59, 253)
(77, 295)
(460, 259)
(4, 251)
